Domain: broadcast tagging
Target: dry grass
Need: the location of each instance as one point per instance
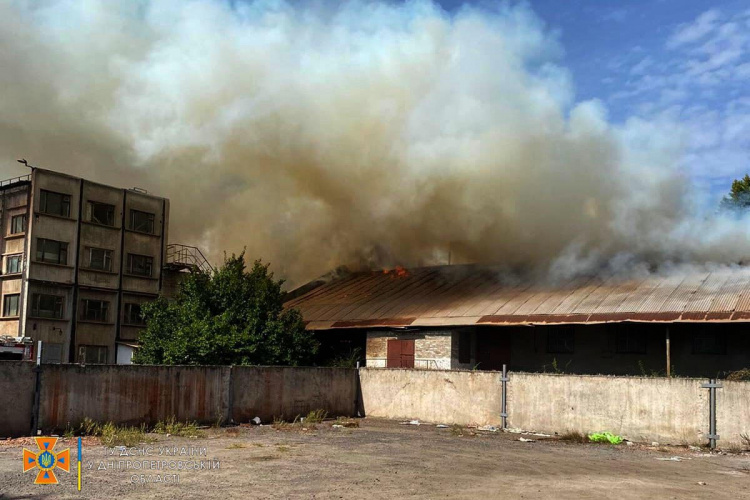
(574, 437)
(174, 428)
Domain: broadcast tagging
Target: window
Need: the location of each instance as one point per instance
(709, 343)
(92, 354)
(560, 340)
(100, 213)
(51, 353)
(10, 305)
(54, 203)
(143, 222)
(133, 314)
(18, 224)
(100, 259)
(140, 265)
(55, 252)
(13, 264)
(46, 306)
(94, 310)
(630, 341)
(464, 347)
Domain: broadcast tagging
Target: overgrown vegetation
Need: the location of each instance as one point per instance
(233, 316)
(739, 375)
(111, 434)
(574, 437)
(738, 199)
(308, 421)
(555, 368)
(173, 427)
(348, 360)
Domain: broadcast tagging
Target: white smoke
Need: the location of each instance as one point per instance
(369, 133)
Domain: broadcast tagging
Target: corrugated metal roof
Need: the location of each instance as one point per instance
(468, 295)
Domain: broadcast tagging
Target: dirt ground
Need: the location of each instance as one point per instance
(383, 459)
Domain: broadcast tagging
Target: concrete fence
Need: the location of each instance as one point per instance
(672, 411)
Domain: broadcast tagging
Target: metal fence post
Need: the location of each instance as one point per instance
(712, 385)
(504, 409)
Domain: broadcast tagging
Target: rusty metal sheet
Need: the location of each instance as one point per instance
(681, 296)
(370, 323)
(701, 300)
(661, 294)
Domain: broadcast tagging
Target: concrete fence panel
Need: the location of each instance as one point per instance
(460, 397)
(132, 394)
(733, 413)
(17, 382)
(671, 411)
(284, 392)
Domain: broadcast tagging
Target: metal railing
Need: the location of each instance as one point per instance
(15, 180)
(188, 257)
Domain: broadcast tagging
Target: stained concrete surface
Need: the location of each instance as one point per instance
(383, 459)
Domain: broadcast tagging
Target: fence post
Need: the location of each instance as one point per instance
(504, 409)
(37, 390)
(230, 396)
(712, 385)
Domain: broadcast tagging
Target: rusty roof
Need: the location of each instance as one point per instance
(486, 295)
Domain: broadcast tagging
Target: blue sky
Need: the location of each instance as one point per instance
(686, 61)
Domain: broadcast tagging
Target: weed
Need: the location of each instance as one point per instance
(346, 422)
(574, 437)
(745, 439)
(283, 448)
(315, 417)
(172, 427)
(460, 431)
(219, 417)
(743, 374)
(348, 360)
(234, 446)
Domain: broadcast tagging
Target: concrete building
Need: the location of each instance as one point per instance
(78, 260)
(481, 317)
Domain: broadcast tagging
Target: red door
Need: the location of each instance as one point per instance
(400, 354)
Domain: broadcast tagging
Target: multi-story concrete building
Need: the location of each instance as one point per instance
(78, 260)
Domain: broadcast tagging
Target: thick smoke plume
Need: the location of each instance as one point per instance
(363, 134)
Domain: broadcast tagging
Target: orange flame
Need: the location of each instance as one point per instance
(397, 272)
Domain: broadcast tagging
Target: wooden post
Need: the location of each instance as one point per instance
(669, 357)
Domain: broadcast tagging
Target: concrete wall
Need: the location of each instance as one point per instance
(732, 413)
(17, 381)
(642, 409)
(440, 396)
(285, 392)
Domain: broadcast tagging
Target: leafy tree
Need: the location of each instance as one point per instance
(739, 196)
(231, 316)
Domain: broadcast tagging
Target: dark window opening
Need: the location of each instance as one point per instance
(143, 222)
(709, 343)
(100, 259)
(464, 347)
(92, 354)
(46, 306)
(54, 203)
(101, 213)
(18, 224)
(630, 341)
(560, 340)
(133, 314)
(10, 305)
(94, 310)
(55, 252)
(140, 265)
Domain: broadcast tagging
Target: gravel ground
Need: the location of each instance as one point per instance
(383, 459)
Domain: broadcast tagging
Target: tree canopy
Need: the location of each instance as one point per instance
(231, 316)
(739, 195)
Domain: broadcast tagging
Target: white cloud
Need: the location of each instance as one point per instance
(692, 32)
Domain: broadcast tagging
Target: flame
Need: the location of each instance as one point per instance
(397, 272)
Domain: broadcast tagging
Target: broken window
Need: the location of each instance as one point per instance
(143, 222)
(46, 306)
(100, 213)
(54, 203)
(18, 224)
(94, 310)
(100, 259)
(55, 252)
(10, 305)
(140, 265)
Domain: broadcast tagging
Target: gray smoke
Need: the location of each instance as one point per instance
(366, 134)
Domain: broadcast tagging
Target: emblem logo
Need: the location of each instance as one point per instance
(46, 460)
